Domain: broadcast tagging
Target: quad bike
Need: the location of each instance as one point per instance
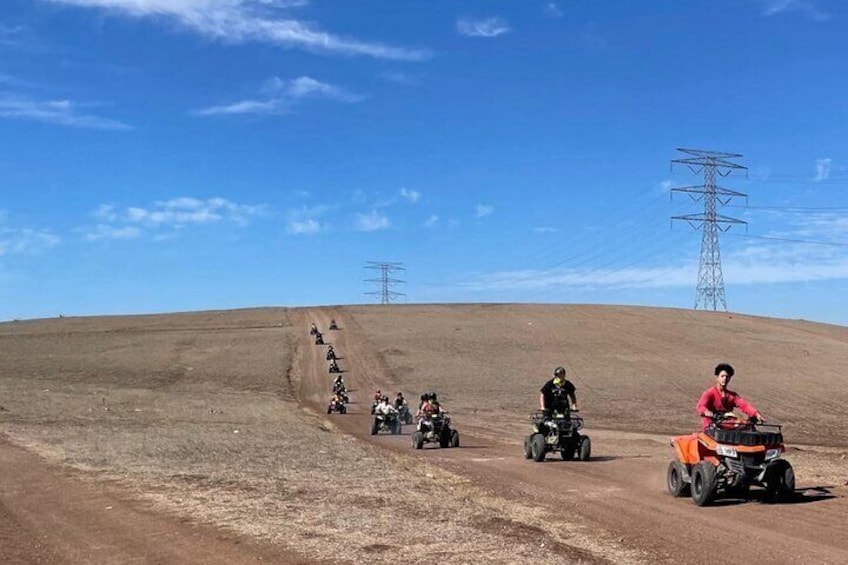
(342, 392)
(319, 339)
(333, 325)
(558, 432)
(435, 430)
(313, 330)
(331, 355)
(386, 423)
(334, 367)
(727, 458)
(404, 414)
(337, 406)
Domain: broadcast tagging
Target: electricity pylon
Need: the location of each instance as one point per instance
(386, 282)
(710, 294)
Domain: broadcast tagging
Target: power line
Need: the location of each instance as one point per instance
(710, 293)
(386, 281)
(791, 240)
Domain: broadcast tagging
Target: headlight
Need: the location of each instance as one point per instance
(726, 450)
(772, 454)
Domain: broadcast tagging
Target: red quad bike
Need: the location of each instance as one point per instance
(559, 432)
(728, 457)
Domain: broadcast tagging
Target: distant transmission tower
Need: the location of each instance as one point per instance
(386, 281)
(710, 295)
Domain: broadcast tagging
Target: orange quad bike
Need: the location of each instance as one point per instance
(724, 460)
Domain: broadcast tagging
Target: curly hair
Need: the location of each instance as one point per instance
(724, 367)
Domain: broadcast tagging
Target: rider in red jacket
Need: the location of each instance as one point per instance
(719, 399)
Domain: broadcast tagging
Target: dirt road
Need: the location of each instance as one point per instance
(620, 494)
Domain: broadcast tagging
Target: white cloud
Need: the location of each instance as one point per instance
(60, 112)
(822, 169)
(405, 79)
(305, 220)
(431, 221)
(483, 210)
(281, 95)
(544, 229)
(410, 195)
(176, 214)
(372, 221)
(553, 10)
(241, 21)
(489, 27)
(807, 7)
(15, 241)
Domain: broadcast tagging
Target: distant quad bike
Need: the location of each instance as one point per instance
(728, 457)
(331, 355)
(342, 392)
(386, 423)
(404, 414)
(313, 330)
(559, 432)
(435, 430)
(337, 406)
(319, 339)
(334, 367)
(334, 325)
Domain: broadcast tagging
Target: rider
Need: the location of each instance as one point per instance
(719, 399)
(313, 329)
(334, 367)
(555, 394)
(400, 401)
(384, 408)
(338, 382)
(430, 407)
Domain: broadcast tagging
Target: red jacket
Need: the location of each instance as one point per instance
(714, 400)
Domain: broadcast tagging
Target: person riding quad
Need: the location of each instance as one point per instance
(333, 324)
(338, 383)
(384, 408)
(400, 401)
(313, 329)
(718, 399)
(558, 395)
(430, 407)
(334, 367)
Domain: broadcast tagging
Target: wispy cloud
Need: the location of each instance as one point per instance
(281, 95)
(488, 27)
(241, 21)
(553, 10)
(822, 169)
(25, 241)
(808, 8)
(412, 196)
(306, 220)
(431, 221)
(174, 214)
(483, 210)
(405, 79)
(545, 229)
(59, 112)
(11, 36)
(372, 221)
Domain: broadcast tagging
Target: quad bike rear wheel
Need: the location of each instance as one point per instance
(344, 409)
(780, 480)
(329, 409)
(703, 483)
(454, 439)
(444, 438)
(537, 447)
(567, 453)
(396, 428)
(677, 486)
(375, 425)
(584, 452)
(418, 440)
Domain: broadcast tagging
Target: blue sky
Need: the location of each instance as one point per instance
(171, 155)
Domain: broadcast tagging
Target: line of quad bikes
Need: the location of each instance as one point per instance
(722, 461)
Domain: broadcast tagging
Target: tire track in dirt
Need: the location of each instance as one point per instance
(623, 498)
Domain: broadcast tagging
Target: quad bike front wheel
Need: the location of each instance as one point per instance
(584, 452)
(780, 479)
(417, 440)
(528, 447)
(677, 486)
(537, 447)
(703, 483)
(454, 439)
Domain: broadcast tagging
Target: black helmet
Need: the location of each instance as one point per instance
(432, 396)
(559, 372)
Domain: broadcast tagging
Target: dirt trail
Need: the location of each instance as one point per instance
(620, 494)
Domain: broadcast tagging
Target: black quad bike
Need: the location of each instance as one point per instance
(334, 367)
(559, 431)
(435, 430)
(337, 406)
(404, 414)
(331, 355)
(319, 339)
(333, 325)
(386, 423)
